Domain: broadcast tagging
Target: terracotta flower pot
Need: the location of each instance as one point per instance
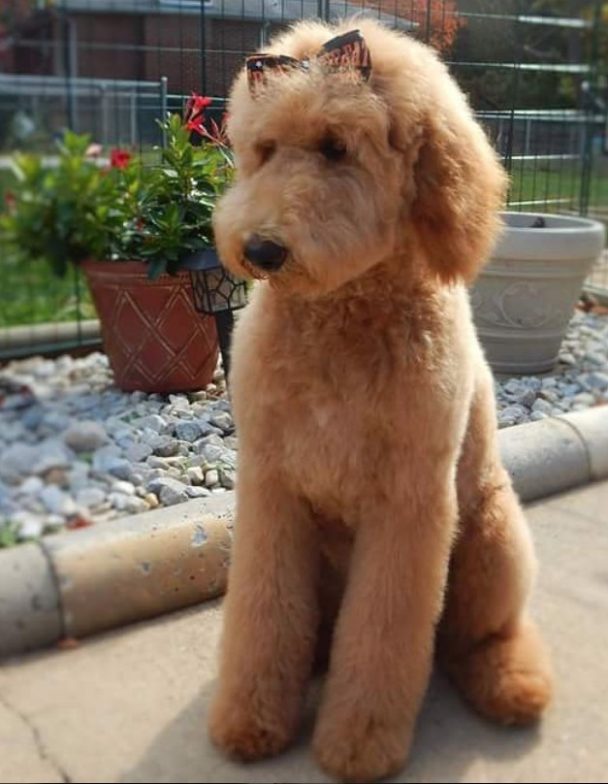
(154, 338)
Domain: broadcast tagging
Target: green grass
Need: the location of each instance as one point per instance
(32, 294)
(556, 181)
(7, 178)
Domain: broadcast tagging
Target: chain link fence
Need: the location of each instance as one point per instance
(535, 71)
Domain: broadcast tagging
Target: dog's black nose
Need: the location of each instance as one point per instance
(266, 254)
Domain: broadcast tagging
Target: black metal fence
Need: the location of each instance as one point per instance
(535, 71)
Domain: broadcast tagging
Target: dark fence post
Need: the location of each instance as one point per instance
(68, 55)
(589, 107)
(203, 36)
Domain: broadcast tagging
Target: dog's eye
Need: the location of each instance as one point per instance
(266, 150)
(332, 149)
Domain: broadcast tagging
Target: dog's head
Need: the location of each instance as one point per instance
(349, 153)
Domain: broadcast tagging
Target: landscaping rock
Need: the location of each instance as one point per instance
(80, 446)
(227, 478)
(152, 422)
(195, 475)
(16, 461)
(211, 478)
(188, 431)
(211, 452)
(32, 486)
(90, 497)
(542, 406)
(138, 452)
(169, 491)
(223, 420)
(85, 436)
(122, 486)
(57, 501)
(197, 492)
(164, 446)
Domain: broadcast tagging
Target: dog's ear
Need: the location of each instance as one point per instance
(459, 189)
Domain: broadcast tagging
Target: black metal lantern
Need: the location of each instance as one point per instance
(216, 293)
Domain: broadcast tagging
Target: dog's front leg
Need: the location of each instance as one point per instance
(383, 644)
(270, 622)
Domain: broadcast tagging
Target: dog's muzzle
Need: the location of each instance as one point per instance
(265, 254)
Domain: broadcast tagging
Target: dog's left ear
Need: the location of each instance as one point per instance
(460, 188)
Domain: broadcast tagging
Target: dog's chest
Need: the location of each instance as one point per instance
(334, 441)
(340, 399)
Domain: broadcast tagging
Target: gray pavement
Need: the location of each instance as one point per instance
(130, 705)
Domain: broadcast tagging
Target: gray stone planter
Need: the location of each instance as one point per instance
(524, 298)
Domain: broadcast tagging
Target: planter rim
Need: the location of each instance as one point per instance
(564, 239)
(134, 268)
(556, 223)
(116, 263)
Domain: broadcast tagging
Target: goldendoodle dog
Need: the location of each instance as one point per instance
(374, 517)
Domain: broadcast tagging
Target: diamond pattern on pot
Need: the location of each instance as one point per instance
(171, 320)
(129, 323)
(154, 337)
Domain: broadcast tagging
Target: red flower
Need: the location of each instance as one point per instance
(196, 125)
(196, 105)
(194, 121)
(193, 114)
(119, 159)
(10, 200)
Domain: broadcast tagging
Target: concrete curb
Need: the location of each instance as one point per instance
(137, 567)
(48, 338)
(556, 454)
(81, 582)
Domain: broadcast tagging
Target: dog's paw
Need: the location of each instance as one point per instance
(516, 698)
(241, 733)
(512, 696)
(363, 750)
(508, 680)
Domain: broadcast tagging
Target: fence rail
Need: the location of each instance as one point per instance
(114, 112)
(536, 78)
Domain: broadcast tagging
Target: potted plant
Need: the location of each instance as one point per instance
(132, 228)
(524, 298)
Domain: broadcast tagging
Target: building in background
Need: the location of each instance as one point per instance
(195, 44)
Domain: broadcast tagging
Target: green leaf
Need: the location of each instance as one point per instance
(154, 212)
(9, 534)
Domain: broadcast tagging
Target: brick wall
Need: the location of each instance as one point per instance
(138, 47)
(109, 45)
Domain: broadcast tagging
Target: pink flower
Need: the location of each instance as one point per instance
(94, 150)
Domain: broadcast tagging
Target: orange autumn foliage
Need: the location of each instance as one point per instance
(436, 20)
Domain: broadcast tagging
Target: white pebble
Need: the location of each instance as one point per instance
(195, 475)
(211, 478)
(85, 436)
(122, 486)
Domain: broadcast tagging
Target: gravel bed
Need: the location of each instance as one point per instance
(579, 381)
(74, 450)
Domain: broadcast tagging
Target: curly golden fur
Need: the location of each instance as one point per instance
(373, 513)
